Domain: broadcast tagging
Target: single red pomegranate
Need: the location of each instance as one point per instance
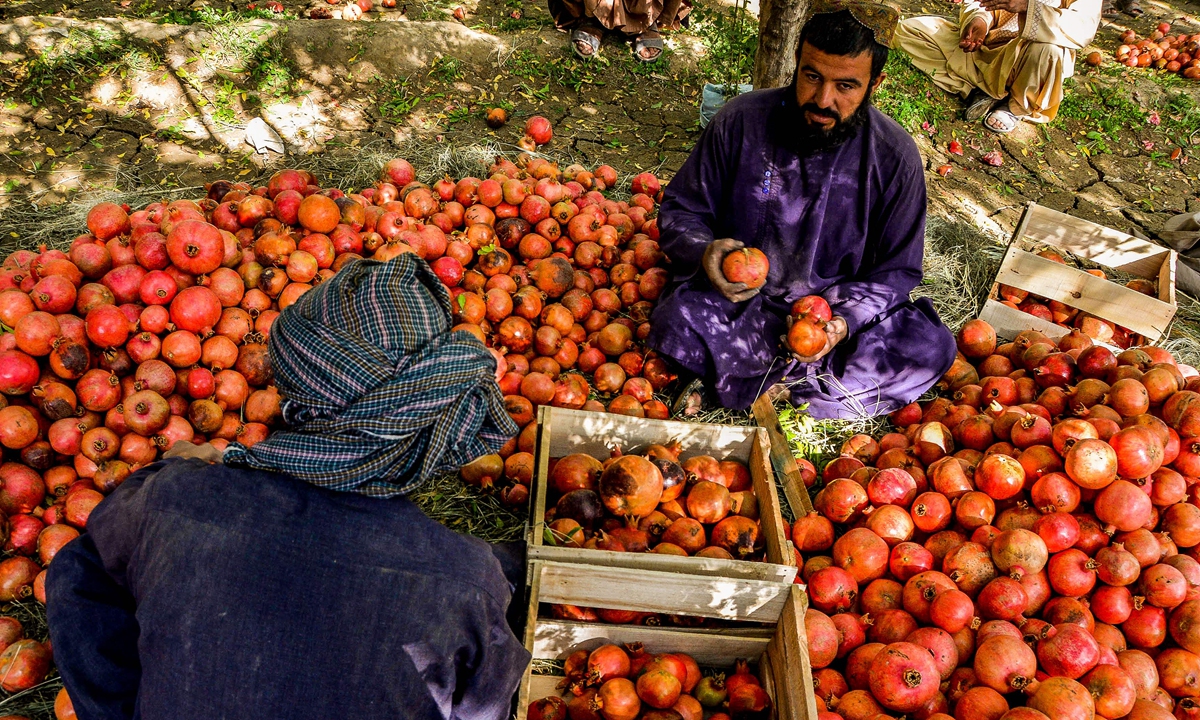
(196, 247)
(748, 266)
(1005, 663)
(631, 488)
(23, 665)
(904, 677)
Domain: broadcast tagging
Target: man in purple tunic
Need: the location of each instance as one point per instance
(833, 192)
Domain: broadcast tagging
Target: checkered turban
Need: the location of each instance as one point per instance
(378, 393)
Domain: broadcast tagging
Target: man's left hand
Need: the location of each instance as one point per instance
(835, 332)
(1012, 6)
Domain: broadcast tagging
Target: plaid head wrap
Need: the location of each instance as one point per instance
(378, 393)
(879, 17)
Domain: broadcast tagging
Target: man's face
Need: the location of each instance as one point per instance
(830, 88)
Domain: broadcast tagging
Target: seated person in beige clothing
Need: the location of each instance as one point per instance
(1008, 58)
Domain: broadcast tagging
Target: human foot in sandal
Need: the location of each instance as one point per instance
(1001, 121)
(648, 45)
(585, 40)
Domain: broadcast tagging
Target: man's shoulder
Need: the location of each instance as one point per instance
(894, 145)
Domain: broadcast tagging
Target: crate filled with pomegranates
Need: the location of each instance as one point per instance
(657, 495)
(637, 672)
(1062, 273)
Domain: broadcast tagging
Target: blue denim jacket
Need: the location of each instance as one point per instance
(204, 591)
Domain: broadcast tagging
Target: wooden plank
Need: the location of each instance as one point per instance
(794, 639)
(1097, 243)
(671, 593)
(768, 501)
(556, 639)
(1009, 322)
(704, 567)
(576, 431)
(1166, 278)
(782, 459)
(1141, 313)
(537, 524)
(525, 694)
(772, 671)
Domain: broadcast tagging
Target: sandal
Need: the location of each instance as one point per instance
(690, 399)
(585, 40)
(1109, 10)
(1001, 121)
(648, 39)
(978, 103)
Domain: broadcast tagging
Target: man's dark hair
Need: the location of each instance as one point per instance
(840, 33)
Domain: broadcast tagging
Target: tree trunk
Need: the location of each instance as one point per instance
(779, 24)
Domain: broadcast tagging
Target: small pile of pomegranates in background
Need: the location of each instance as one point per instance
(1172, 53)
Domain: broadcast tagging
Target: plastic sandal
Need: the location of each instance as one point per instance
(586, 35)
(1001, 121)
(646, 41)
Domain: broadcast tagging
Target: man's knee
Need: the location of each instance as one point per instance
(1044, 55)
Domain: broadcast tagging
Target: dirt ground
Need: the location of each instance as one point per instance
(133, 94)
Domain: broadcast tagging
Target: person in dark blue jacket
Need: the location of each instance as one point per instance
(293, 579)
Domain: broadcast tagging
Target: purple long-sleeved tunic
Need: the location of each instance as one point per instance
(847, 224)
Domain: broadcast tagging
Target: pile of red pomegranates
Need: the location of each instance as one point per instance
(151, 328)
(628, 683)
(1097, 328)
(1024, 547)
(653, 503)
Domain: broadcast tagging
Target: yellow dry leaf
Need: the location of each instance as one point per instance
(50, 152)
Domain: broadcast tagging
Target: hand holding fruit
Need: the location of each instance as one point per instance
(806, 335)
(713, 262)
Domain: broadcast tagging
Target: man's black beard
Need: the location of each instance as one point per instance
(792, 130)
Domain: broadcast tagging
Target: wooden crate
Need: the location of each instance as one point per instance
(563, 432)
(1108, 300)
(781, 654)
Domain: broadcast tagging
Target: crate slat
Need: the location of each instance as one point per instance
(782, 460)
(706, 567)
(556, 639)
(662, 592)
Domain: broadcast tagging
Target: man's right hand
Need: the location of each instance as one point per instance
(714, 255)
(973, 35)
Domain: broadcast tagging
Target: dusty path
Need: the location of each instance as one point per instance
(160, 94)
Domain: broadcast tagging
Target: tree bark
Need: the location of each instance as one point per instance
(779, 23)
